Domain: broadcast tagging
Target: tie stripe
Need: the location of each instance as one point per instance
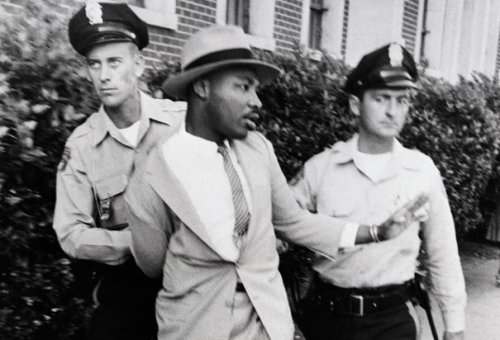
(241, 213)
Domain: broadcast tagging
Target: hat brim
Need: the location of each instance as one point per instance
(177, 85)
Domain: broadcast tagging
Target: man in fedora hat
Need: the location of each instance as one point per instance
(366, 292)
(212, 198)
(99, 159)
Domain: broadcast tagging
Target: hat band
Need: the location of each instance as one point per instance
(394, 74)
(116, 28)
(237, 53)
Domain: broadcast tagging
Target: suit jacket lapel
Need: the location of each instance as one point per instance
(168, 187)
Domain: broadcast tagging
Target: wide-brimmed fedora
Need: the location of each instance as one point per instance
(214, 48)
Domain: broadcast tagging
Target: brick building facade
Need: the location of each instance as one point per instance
(453, 37)
(168, 33)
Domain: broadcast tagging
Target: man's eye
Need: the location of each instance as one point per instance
(93, 65)
(244, 87)
(114, 63)
(404, 101)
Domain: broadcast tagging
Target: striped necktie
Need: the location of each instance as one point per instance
(241, 213)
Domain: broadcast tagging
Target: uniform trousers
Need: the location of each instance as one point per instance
(398, 323)
(126, 305)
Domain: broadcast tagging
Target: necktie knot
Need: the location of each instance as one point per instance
(222, 149)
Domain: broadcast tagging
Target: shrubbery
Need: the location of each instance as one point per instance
(43, 97)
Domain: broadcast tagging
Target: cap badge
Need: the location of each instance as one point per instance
(395, 54)
(94, 12)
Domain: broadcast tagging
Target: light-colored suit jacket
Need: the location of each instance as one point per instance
(198, 284)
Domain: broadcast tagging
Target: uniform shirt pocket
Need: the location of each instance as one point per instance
(110, 200)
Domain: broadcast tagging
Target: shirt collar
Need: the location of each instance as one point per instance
(151, 109)
(345, 152)
(201, 143)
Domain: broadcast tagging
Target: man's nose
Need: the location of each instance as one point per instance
(105, 74)
(392, 107)
(254, 101)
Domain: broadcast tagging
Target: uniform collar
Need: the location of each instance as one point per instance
(345, 152)
(151, 109)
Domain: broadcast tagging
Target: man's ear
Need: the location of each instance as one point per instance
(139, 65)
(354, 103)
(201, 87)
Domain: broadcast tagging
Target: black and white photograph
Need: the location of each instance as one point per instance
(249, 169)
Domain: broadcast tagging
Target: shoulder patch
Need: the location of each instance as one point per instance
(66, 155)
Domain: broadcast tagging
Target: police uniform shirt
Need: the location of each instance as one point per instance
(333, 184)
(93, 175)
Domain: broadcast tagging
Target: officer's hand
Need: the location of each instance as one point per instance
(454, 336)
(401, 219)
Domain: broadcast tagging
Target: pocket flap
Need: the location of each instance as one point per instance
(111, 186)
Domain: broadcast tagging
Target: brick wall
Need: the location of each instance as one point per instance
(287, 24)
(165, 44)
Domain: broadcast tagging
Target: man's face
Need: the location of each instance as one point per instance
(382, 112)
(232, 103)
(114, 70)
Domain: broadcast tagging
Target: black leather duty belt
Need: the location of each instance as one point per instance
(360, 302)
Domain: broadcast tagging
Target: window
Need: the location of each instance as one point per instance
(256, 17)
(315, 24)
(159, 13)
(238, 13)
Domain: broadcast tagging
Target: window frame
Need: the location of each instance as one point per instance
(260, 35)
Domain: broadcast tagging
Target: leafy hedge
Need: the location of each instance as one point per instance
(43, 97)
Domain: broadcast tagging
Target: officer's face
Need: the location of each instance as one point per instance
(382, 112)
(232, 103)
(114, 70)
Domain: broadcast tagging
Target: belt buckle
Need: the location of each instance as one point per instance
(356, 305)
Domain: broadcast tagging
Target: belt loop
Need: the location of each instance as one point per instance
(360, 310)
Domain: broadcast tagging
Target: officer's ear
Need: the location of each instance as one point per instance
(139, 65)
(354, 104)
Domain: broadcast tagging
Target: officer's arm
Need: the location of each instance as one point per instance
(441, 257)
(73, 217)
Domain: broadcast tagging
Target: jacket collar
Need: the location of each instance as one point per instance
(151, 109)
(171, 190)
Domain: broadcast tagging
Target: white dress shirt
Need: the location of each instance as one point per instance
(200, 169)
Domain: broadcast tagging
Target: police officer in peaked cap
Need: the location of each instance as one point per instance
(99, 160)
(366, 291)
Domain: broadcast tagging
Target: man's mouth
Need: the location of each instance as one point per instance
(250, 120)
(108, 91)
